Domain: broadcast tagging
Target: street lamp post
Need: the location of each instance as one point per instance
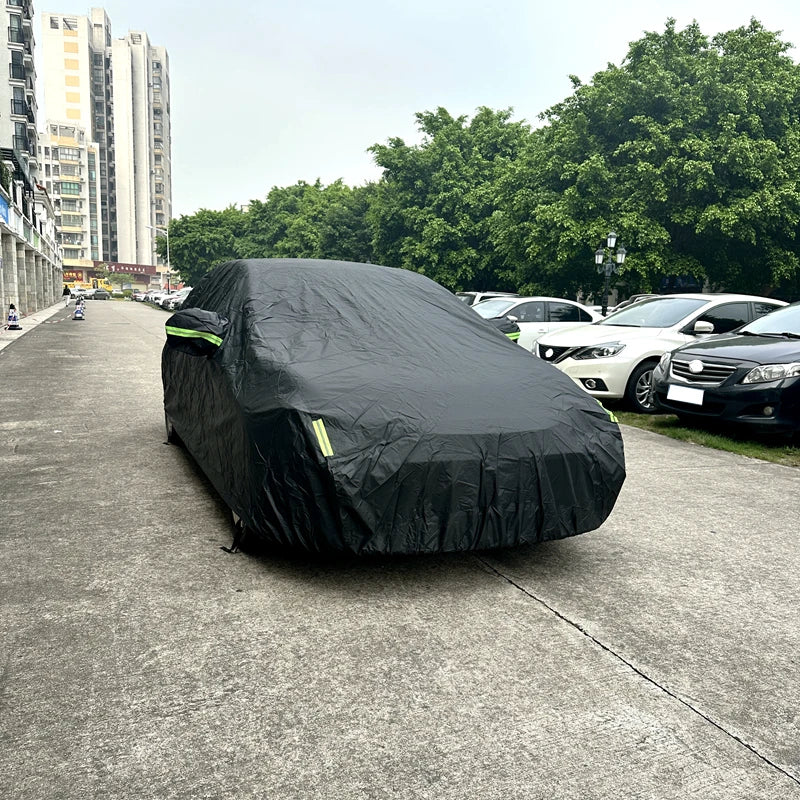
(608, 260)
(165, 231)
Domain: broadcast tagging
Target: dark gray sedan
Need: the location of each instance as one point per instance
(750, 377)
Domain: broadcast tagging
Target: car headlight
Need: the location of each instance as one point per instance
(600, 350)
(772, 372)
(665, 359)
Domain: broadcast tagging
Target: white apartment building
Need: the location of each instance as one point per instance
(118, 91)
(30, 260)
(68, 164)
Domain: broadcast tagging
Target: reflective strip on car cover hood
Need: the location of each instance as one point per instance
(322, 437)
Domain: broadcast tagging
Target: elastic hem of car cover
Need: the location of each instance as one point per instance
(322, 437)
(513, 336)
(190, 334)
(611, 414)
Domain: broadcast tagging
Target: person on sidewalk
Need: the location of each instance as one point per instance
(65, 294)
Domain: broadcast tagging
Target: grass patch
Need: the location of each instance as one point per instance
(779, 450)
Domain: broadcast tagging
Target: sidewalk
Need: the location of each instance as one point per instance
(29, 322)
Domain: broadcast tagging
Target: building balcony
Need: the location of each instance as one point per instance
(16, 36)
(17, 72)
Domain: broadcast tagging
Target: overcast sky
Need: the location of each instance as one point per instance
(267, 93)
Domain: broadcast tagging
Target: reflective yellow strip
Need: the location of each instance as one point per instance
(513, 336)
(322, 437)
(187, 333)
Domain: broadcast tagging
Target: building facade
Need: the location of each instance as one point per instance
(30, 273)
(118, 91)
(68, 161)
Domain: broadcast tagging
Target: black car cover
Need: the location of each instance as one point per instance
(342, 407)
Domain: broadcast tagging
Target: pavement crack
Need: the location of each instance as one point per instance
(639, 672)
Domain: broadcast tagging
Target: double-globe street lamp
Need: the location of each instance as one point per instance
(165, 231)
(608, 260)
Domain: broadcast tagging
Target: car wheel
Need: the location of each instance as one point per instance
(172, 434)
(638, 392)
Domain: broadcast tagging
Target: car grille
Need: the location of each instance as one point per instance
(548, 353)
(711, 375)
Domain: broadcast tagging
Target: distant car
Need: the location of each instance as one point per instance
(76, 292)
(100, 294)
(634, 298)
(537, 316)
(473, 298)
(750, 377)
(614, 358)
(174, 301)
(342, 407)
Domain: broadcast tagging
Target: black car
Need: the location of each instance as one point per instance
(343, 407)
(749, 377)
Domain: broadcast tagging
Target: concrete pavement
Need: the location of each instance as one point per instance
(654, 658)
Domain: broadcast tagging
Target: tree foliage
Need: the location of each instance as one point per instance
(690, 150)
(432, 209)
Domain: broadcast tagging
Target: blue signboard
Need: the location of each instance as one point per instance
(3, 209)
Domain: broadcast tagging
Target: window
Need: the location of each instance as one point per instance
(727, 317)
(528, 312)
(54, 22)
(68, 154)
(763, 308)
(566, 312)
(68, 187)
(72, 220)
(70, 205)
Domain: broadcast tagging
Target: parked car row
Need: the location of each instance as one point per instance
(169, 300)
(614, 359)
(89, 294)
(727, 357)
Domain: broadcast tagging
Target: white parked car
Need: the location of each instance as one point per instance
(614, 358)
(173, 301)
(536, 316)
(473, 298)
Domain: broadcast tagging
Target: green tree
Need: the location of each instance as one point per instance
(689, 150)
(431, 211)
(309, 221)
(201, 241)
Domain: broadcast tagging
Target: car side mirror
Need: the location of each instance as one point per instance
(196, 331)
(701, 326)
(512, 317)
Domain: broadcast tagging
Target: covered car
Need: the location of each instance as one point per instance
(354, 408)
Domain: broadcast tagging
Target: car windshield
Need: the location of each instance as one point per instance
(657, 312)
(784, 320)
(496, 307)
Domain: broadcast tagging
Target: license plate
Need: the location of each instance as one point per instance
(685, 394)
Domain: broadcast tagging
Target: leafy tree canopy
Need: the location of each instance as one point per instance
(432, 209)
(689, 150)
